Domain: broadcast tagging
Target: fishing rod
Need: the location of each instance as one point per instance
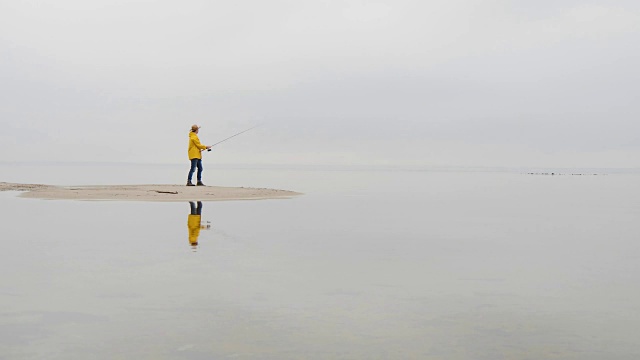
(242, 132)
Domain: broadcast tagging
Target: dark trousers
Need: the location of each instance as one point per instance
(195, 210)
(195, 163)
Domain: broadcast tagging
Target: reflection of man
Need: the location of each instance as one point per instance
(194, 222)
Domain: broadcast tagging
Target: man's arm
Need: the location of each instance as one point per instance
(197, 143)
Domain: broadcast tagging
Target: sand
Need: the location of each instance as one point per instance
(144, 192)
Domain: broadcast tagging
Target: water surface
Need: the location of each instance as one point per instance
(367, 264)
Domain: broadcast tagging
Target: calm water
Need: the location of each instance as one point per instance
(365, 265)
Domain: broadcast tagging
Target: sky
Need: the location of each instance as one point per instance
(352, 83)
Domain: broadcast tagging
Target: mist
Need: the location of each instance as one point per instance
(402, 83)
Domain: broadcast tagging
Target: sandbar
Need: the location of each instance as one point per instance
(162, 192)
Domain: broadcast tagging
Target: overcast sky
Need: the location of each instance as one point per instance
(542, 83)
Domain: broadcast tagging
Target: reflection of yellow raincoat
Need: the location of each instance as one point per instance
(195, 146)
(193, 222)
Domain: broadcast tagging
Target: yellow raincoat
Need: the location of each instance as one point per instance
(193, 223)
(195, 147)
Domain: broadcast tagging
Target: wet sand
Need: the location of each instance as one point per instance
(165, 193)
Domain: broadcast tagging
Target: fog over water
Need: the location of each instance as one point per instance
(411, 127)
(455, 83)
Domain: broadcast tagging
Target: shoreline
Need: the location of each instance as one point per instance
(151, 192)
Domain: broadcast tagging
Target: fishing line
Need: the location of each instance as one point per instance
(242, 132)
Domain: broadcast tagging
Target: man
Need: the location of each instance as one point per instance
(195, 155)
